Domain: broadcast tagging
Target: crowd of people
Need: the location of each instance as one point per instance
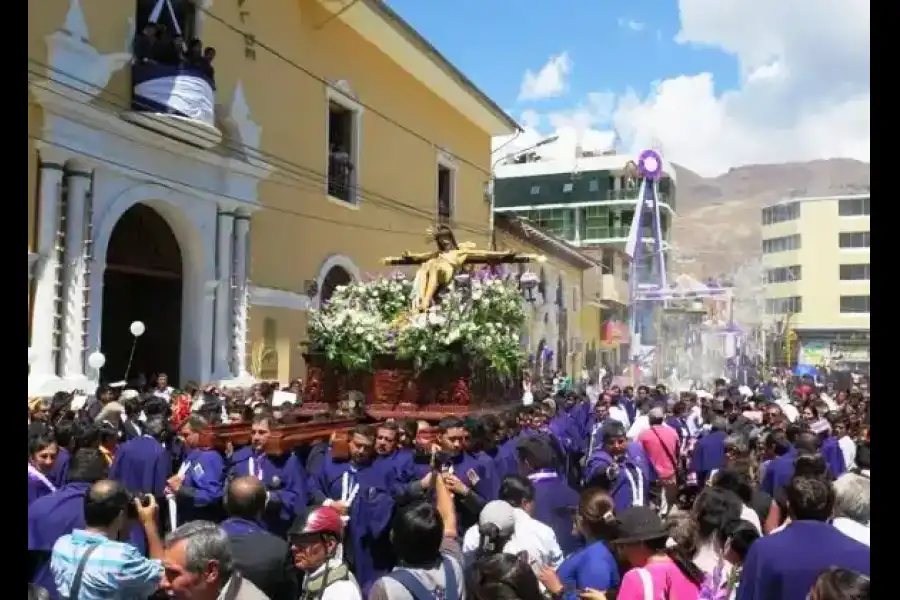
(589, 491)
(157, 44)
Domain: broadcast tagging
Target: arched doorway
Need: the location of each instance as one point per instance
(336, 277)
(142, 282)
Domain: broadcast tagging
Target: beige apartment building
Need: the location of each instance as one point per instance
(816, 260)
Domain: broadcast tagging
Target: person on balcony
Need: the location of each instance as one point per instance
(145, 44)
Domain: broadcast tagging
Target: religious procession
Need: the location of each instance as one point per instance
(251, 377)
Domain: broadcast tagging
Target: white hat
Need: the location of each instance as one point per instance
(128, 394)
(499, 513)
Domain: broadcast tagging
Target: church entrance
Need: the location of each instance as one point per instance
(142, 282)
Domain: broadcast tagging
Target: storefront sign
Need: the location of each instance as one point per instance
(614, 333)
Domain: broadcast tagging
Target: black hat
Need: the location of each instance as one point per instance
(639, 524)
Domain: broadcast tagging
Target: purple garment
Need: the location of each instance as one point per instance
(624, 489)
(778, 472)
(834, 457)
(38, 488)
(555, 505)
(60, 467)
(285, 480)
(143, 466)
(708, 456)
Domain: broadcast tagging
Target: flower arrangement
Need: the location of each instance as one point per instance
(478, 321)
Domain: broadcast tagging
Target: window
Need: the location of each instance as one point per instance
(854, 304)
(853, 207)
(781, 213)
(855, 272)
(446, 191)
(567, 187)
(556, 221)
(783, 306)
(343, 147)
(608, 261)
(781, 244)
(854, 239)
(593, 185)
(535, 190)
(783, 274)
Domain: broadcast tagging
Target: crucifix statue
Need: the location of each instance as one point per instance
(438, 268)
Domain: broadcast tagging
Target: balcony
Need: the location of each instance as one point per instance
(614, 289)
(177, 101)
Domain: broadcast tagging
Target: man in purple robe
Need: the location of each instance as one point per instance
(613, 468)
(359, 490)
(465, 475)
(58, 513)
(142, 464)
(779, 471)
(785, 565)
(282, 475)
(709, 451)
(555, 501)
(199, 484)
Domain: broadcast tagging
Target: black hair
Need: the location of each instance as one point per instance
(491, 540)
(87, 435)
(807, 442)
(740, 535)
(809, 498)
(516, 490)
(611, 430)
(735, 481)
(417, 533)
(38, 443)
(502, 577)
(841, 584)
(451, 423)
(811, 465)
(86, 465)
(863, 456)
(105, 502)
(157, 427)
(713, 509)
(536, 452)
(64, 433)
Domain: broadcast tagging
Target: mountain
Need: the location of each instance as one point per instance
(718, 219)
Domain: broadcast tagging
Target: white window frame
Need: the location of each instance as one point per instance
(341, 94)
(447, 162)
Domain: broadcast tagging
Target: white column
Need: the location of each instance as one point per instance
(43, 373)
(73, 276)
(224, 263)
(239, 342)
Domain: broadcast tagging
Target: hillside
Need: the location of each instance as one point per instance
(718, 223)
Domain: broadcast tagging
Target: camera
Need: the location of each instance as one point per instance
(131, 509)
(612, 472)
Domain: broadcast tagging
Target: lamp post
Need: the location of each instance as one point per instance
(509, 156)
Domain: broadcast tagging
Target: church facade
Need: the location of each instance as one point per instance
(217, 195)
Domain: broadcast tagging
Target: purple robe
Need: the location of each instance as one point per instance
(778, 472)
(143, 466)
(708, 456)
(39, 484)
(834, 457)
(366, 487)
(555, 505)
(200, 495)
(284, 478)
(630, 487)
(60, 467)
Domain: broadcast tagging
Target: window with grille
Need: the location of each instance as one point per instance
(854, 239)
(445, 192)
(854, 304)
(855, 272)
(784, 274)
(781, 213)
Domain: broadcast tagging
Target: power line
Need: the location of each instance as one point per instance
(332, 86)
(299, 180)
(299, 172)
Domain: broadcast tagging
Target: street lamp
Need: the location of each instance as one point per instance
(509, 156)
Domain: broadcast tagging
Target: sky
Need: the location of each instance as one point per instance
(713, 84)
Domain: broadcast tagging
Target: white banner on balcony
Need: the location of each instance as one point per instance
(183, 94)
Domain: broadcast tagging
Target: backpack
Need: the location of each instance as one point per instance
(418, 590)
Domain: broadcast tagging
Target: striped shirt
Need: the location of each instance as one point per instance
(114, 571)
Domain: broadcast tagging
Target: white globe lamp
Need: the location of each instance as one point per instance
(96, 360)
(137, 328)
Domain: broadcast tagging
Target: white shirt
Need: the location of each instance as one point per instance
(695, 421)
(339, 590)
(852, 529)
(848, 449)
(790, 411)
(618, 413)
(530, 535)
(640, 425)
(749, 515)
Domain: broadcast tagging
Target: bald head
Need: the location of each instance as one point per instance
(245, 498)
(105, 502)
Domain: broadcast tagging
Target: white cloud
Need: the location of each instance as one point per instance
(551, 81)
(803, 92)
(631, 24)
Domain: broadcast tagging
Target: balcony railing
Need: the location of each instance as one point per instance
(177, 101)
(340, 178)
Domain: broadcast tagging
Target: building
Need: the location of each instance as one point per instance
(816, 269)
(564, 308)
(586, 201)
(589, 202)
(216, 207)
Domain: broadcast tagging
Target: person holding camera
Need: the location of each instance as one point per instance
(94, 563)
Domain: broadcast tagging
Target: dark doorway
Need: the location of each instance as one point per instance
(142, 283)
(336, 277)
